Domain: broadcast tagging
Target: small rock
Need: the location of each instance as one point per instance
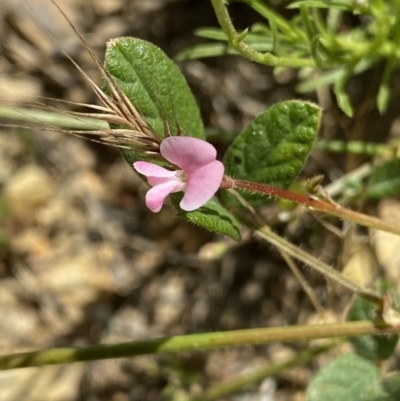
(387, 245)
(32, 242)
(361, 267)
(171, 302)
(29, 188)
(252, 292)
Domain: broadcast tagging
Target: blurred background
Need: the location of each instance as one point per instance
(82, 260)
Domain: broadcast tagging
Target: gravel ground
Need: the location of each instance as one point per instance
(82, 261)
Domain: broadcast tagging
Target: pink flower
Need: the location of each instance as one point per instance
(200, 175)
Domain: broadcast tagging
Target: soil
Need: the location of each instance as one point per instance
(83, 261)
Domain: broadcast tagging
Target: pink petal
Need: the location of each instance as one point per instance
(157, 175)
(188, 153)
(202, 185)
(155, 196)
(152, 170)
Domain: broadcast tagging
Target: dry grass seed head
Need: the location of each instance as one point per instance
(131, 130)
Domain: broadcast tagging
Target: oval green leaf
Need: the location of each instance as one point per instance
(386, 389)
(155, 86)
(273, 148)
(375, 348)
(212, 216)
(385, 180)
(345, 379)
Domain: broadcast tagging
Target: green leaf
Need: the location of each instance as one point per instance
(311, 81)
(205, 51)
(271, 15)
(254, 37)
(386, 389)
(273, 148)
(318, 52)
(344, 379)
(384, 88)
(375, 348)
(260, 38)
(217, 49)
(212, 216)
(383, 98)
(342, 97)
(346, 5)
(385, 180)
(155, 86)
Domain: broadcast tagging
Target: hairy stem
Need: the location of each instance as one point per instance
(331, 208)
(236, 41)
(287, 250)
(333, 275)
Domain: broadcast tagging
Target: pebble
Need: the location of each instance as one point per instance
(29, 188)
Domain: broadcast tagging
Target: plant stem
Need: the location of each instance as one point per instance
(273, 238)
(357, 147)
(303, 282)
(54, 119)
(288, 250)
(333, 209)
(235, 40)
(195, 342)
(239, 383)
(337, 187)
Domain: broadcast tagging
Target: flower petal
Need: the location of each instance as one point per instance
(155, 196)
(152, 170)
(157, 175)
(188, 153)
(202, 185)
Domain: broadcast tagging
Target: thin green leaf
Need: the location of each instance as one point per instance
(317, 51)
(211, 33)
(206, 50)
(260, 38)
(343, 100)
(384, 88)
(270, 15)
(333, 20)
(345, 379)
(218, 34)
(311, 81)
(273, 148)
(217, 49)
(308, 25)
(356, 147)
(346, 5)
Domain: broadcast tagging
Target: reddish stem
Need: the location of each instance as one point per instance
(312, 203)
